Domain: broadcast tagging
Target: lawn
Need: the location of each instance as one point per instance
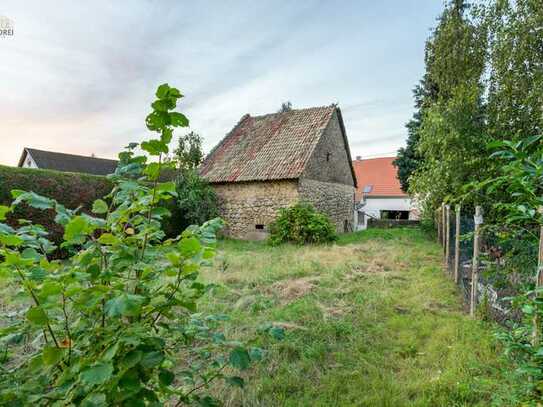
(369, 321)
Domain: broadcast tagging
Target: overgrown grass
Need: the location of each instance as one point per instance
(370, 321)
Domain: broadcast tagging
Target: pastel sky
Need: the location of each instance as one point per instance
(78, 77)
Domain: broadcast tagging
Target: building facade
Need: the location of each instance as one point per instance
(379, 194)
(273, 161)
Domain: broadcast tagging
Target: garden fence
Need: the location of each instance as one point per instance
(488, 268)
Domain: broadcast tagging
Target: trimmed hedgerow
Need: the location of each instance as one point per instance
(301, 224)
(72, 190)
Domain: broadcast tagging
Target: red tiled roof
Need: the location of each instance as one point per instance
(268, 147)
(380, 174)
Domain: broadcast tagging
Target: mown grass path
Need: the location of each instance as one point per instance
(370, 321)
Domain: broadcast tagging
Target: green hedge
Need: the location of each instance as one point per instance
(70, 189)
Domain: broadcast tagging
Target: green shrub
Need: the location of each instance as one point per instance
(71, 190)
(196, 200)
(115, 324)
(301, 224)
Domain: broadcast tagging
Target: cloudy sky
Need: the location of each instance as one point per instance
(78, 77)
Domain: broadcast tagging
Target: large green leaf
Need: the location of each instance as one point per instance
(52, 355)
(99, 206)
(37, 316)
(75, 230)
(239, 358)
(178, 119)
(97, 374)
(154, 147)
(125, 305)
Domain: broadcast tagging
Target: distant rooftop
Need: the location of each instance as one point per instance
(377, 177)
(51, 160)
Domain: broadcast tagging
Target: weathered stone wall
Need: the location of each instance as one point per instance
(330, 161)
(243, 205)
(334, 199)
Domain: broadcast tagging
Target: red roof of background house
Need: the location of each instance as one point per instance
(380, 174)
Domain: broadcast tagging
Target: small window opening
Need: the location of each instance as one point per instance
(259, 227)
(328, 155)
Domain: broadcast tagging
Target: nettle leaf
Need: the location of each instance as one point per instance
(239, 358)
(51, 355)
(99, 206)
(125, 305)
(37, 316)
(97, 374)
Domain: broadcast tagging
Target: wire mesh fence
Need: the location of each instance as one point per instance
(506, 261)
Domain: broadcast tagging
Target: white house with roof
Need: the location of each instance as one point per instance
(379, 194)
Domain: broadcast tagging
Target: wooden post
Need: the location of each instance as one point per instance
(457, 246)
(536, 329)
(437, 213)
(443, 226)
(475, 263)
(447, 235)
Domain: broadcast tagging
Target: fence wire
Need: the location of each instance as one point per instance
(508, 262)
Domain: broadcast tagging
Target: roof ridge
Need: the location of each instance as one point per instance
(259, 116)
(69, 154)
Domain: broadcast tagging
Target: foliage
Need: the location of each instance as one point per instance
(301, 224)
(70, 189)
(196, 200)
(115, 323)
(285, 107)
(452, 120)
(188, 155)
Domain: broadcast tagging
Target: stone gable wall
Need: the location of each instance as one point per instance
(243, 205)
(330, 161)
(334, 199)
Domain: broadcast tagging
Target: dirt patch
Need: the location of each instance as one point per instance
(288, 325)
(290, 290)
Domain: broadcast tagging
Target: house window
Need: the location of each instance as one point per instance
(259, 227)
(328, 155)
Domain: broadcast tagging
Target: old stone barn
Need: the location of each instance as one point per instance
(272, 161)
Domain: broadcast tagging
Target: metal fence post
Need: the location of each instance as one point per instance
(475, 264)
(457, 245)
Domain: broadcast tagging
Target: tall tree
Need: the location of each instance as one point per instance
(515, 89)
(451, 128)
(188, 154)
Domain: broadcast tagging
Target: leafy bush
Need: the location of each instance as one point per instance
(114, 324)
(69, 189)
(196, 200)
(301, 224)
